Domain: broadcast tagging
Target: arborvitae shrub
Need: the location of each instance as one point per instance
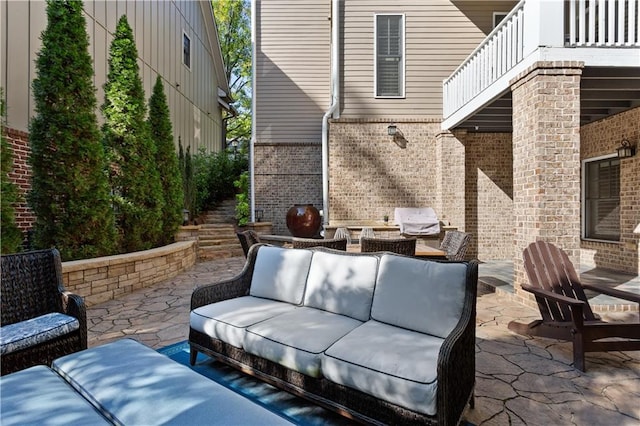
(135, 180)
(69, 189)
(167, 162)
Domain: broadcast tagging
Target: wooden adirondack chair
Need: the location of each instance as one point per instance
(566, 314)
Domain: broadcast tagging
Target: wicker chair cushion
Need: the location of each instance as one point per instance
(49, 398)
(34, 331)
(228, 319)
(280, 274)
(365, 360)
(419, 295)
(341, 284)
(297, 339)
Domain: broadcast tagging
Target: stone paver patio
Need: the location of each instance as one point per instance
(520, 380)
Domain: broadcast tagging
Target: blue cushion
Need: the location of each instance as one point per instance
(135, 385)
(38, 396)
(25, 334)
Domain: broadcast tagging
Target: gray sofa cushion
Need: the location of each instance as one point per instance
(390, 363)
(297, 339)
(31, 332)
(341, 284)
(228, 319)
(38, 396)
(280, 274)
(419, 295)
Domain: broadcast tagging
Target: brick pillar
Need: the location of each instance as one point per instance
(450, 179)
(546, 159)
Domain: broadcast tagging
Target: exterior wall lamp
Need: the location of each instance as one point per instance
(626, 150)
(259, 213)
(392, 129)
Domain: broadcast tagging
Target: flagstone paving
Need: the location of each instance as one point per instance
(519, 380)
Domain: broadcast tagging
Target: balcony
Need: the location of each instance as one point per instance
(603, 34)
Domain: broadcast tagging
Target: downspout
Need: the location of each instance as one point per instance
(333, 108)
(252, 180)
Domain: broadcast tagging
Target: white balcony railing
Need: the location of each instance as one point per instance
(535, 24)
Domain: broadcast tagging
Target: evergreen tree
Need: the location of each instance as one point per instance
(167, 161)
(134, 176)
(11, 237)
(69, 189)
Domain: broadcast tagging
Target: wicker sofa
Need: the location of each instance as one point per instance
(379, 337)
(40, 320)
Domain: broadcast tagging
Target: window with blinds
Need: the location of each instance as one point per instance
(186, 50)
(602, 199)
(389, 66)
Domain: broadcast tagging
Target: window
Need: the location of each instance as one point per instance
(601, 198)
(389, 65)
(186, 50)
(498, 17)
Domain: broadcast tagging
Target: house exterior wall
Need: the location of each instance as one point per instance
(371, 173)
(489, 195)
(158, 27)
(601, 138)
(292, 70)
(292, 93)
(438, 34)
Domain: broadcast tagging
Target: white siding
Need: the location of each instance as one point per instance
(157, 27)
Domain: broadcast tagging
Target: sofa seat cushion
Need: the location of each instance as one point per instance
(297, 339)
(419, 295)
(38, 396)
(34, 331)
(228, 319)
(390, 363)
(280, 274)
(342, 284)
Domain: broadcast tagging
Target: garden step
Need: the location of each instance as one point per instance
(212, 242)
(220, 252)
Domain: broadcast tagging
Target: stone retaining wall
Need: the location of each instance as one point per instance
(105, 278)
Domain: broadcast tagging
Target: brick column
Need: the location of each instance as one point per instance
(546, 159)
(450, 179)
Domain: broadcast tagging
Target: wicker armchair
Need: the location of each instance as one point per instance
(333, 243)
(32, 291)
(455, 243)
(406, 246)
(247, 239)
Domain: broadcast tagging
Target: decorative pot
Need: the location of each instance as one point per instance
(303, 220)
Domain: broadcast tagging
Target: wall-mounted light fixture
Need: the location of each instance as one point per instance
(392, 129)
(185, 217)
(259, 214)
(626, 150)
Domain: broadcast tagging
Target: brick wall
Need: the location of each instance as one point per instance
(371, 172)
(602, 138)
(489, 203)
(21, 175)
(546, 159)
(286, 174)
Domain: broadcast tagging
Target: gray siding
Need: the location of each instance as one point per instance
(158, 26)
(439, 35)
(292, 57)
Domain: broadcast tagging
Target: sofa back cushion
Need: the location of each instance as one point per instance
(280, 274)
(419, 295)
(342, 284)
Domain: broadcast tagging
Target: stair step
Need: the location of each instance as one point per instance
(220, 252)
(217, 242)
